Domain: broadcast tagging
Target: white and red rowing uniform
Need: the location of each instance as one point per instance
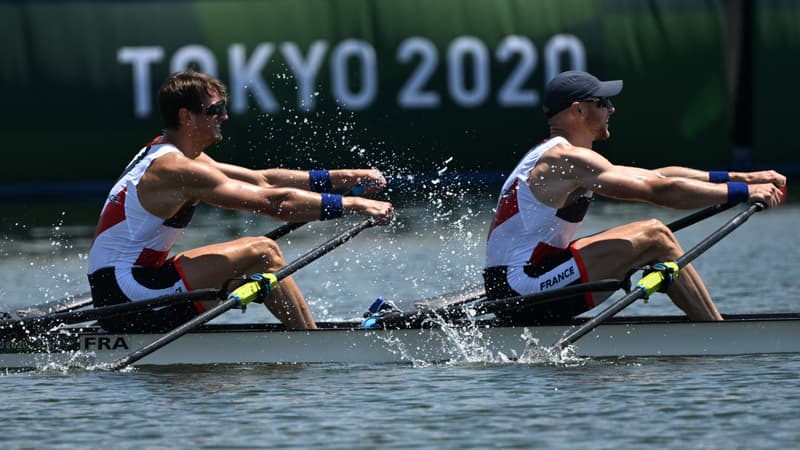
(529, 245)
(131, 245)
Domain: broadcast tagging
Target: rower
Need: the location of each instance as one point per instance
(531, 246)
(154, 199)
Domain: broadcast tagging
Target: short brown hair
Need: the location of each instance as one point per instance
(189, 90)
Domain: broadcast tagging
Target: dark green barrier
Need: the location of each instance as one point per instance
(408, 86)
(776, 67)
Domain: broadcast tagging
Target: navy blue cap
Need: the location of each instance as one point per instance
(574, 85)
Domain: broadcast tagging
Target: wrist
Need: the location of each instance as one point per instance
(718, 176)
(351, 205)
(331, 206)
(320, 180)
(738, 192)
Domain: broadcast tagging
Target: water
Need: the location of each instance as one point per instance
(436, 246)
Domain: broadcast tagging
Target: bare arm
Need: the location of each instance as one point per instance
(565, 169)
(757, 177)
(341, 179)
(173, 180)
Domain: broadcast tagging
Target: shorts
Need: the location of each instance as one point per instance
(112, 286)
(559, 269)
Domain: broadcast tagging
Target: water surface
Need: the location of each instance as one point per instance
(436, 246)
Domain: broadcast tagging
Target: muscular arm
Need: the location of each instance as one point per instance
(174, 180)
(566, 169)
(341, 179)
(757, 177)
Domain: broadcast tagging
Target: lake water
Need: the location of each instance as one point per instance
(435, 246)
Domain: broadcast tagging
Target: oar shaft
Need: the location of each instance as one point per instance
(47, 321)
(174, 334)
(314, 254)
(284, 229)
(56, 308)
(693, 218)
(715, 237)
(287, 228)
(481, 305)
(636, 294)
(233, 302)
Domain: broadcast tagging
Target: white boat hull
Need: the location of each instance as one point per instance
(259, 344)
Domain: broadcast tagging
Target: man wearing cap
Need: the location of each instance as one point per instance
(531, 246)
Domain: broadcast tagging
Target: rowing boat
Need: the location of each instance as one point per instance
(347, 342)
(456, 326)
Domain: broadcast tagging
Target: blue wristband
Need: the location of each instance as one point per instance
(718, 176)
(738, 192)
(331, 207)
(320, 180)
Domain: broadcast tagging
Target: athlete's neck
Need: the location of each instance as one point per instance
(577, 139)
(183, 142)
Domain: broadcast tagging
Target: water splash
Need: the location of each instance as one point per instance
(537, 354)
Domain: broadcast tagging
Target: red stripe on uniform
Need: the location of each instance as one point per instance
(179, 268)
(543, 251)
(507, 208)
(112, 214)
(584, 275)
(198, 305)
(151, 258)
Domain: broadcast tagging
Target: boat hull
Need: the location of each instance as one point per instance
(346, 343)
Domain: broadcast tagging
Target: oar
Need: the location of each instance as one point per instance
(243, 295)
(74, 302)
(37, 324)
(482, 305)
(652, 282)
(693, 218)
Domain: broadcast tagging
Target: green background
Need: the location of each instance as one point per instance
(68, 110)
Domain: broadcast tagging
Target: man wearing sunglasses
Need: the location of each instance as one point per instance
(531, 246)
(155, 197)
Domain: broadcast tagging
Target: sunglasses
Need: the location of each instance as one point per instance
(601, 102)
(217, 109)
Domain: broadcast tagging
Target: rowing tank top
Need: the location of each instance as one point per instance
(525, 230)
(128, 235)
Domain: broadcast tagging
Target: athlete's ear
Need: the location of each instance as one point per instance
(184, 116)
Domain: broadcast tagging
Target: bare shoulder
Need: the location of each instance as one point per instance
(570, 161)
(572, 154)
(175, 171)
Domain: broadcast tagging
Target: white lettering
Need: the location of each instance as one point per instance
(458, 53)
(412, 94)
(364, 54)
(512, 92)
(246, 76)
(140, 59)
(563, 43)
(354, 80)
(305, 72)
(198, 54)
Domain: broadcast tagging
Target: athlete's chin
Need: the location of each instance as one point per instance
(604, 135)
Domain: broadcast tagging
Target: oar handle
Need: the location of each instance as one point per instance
(233, 302)
(287, 228)
(641, 291)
